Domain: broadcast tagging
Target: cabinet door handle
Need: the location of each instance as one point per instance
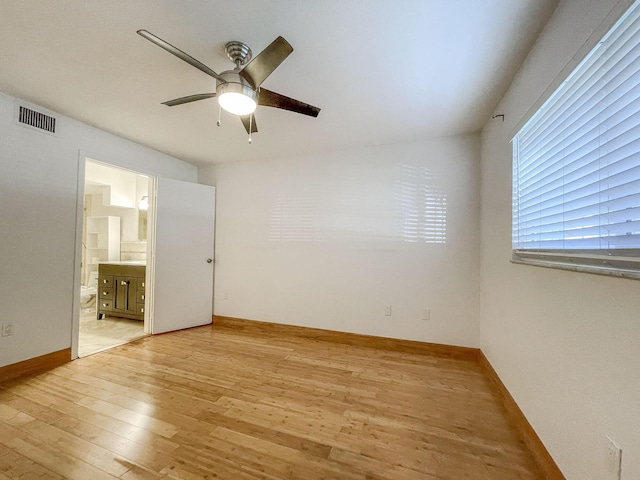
(122, 282)
(126, 302)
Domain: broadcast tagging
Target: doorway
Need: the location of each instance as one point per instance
(114, 253)
(176, 289)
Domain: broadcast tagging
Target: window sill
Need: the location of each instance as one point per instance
(611, 272)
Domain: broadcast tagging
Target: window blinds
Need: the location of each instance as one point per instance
(576, 163)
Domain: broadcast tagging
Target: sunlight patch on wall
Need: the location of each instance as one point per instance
(422, 206)
(404, 203)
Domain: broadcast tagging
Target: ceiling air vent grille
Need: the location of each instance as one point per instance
(38, 120)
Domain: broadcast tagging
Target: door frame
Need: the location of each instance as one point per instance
(83, 156)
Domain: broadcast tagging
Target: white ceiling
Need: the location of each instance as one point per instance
(383, 71)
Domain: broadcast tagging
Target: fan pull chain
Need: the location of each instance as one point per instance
(250, 127)
(219, 115)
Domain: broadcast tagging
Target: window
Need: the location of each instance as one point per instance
(576, 164)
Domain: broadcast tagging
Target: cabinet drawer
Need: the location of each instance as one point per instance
(140, 295)
(106, 305)
(105, 281)
(140, 284)
(106, 292)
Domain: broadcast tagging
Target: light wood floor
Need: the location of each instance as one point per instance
(255, 402)
(97, 335)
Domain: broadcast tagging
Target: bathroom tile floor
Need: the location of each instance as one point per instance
(97, 335)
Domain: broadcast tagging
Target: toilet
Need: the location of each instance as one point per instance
(88, 294)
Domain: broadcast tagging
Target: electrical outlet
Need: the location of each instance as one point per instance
(614, 460)
(225, 295)
(7, 330)
(387, 310)
(426, 315)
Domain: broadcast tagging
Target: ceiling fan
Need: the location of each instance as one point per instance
(239, 90)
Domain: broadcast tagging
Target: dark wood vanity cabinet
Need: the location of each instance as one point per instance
(121, 290)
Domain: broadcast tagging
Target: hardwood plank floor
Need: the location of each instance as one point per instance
(253, 401)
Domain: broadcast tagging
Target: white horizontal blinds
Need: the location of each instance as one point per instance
(577, 161)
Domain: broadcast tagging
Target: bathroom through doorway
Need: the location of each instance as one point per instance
(115, 248)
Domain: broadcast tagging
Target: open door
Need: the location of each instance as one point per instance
(183, 266)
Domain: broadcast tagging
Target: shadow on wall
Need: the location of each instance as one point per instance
(409, 207)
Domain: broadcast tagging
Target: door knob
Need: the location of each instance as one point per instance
(209, 260)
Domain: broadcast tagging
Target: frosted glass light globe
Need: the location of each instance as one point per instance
(237, 103)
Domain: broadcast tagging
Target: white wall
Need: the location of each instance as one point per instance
(120, 185)
(38, 193)
(327, 240)
(566, 344)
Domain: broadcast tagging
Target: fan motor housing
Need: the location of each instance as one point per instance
(235, 83)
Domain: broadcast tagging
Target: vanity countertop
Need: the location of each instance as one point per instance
(125, 262)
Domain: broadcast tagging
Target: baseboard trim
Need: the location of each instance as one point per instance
(355, 339)
(527, 433)
(35, 365)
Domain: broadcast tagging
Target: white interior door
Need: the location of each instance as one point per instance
(183, 267)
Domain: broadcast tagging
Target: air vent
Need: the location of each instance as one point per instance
(35, 119)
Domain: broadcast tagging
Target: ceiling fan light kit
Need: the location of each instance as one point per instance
(238, 91)
(236, 95)
(238, 103)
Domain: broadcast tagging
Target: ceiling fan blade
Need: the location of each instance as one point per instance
(188, 99)
(263, 64)
(180, 54)
(253, 126)
(273, 99)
